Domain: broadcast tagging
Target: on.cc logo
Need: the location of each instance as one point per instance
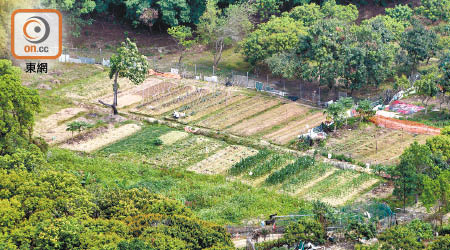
(36, 34)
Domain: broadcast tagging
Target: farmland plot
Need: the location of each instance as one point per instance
(223, 160)
(294, 128)
(52, 129)
(180, 101)
(235, 113)
(196, 112)
(172, 137)
(130, 96)
(373, 144)
(268, 119)
(111, 135)
(186, 152)
(339, 187)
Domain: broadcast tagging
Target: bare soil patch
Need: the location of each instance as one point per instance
(295, 128)
(268, 119)
(111, 135)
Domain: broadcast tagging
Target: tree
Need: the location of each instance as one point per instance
(267, 8)
(400, 12)
(279, 34)
(399, 238)
(427, 87)
(436, 192)
(346, 13)
(216, 28)
(174, 12)
(335, 111)
(128, 63)
(435, 9)
(18, 105)
(183, 36)
(444, 88)
(420, 44)
(415, 162)
(308, 14)
(74, 12)
(365, 110)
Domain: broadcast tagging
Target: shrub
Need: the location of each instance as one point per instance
(440, 243)
(359, 230)
(157, 142)
(306, 230)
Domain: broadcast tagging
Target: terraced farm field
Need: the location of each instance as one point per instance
(234, 113)
(373, 144)
(296, 127)
(269, 119)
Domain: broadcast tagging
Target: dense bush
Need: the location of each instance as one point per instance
(359, 230)
(306, 230)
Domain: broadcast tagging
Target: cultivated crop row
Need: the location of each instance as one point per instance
(247, 163)
(289, 170)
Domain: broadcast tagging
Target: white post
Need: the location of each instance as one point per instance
(247, 79)
(195, 69)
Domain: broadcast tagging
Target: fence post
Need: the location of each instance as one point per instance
(195, 69)
(101, 55)
(247, 79)
(213, 70)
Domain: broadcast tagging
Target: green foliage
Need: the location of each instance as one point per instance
(399, 237)
(277, 35)
(74, 12)
(129, 63)
(246, 163)
(436, 192)
(308, 13)
(290, 169)
(367, 247)
(440, 145)
(427, 87)
(360, 230)
(18, 105)
(400, 12)
(435, 9)
(267, 166)
(442, 242)
(347, 13)
(183, 36)
(78, 126)
(267, 8)
(423, 230)
(420, 44)
(174, 12)
(306, 230)
(365, 109)
(216, 27)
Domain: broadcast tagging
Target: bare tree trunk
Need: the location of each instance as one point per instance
(115, 89)
(218, 54)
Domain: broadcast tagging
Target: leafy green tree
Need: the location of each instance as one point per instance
(184, 38)
(365, 110)
(346, 13)
(400, 12)
(420, 44)
(309, 230)
(415, 162)
(427, 87)
(442, 242)
(399, 238)
(75, 12)
(217, 27)
(267, 8)
(440, 145)
(18, 105)
(174, 12)
(308, 13)
(436, 193)
(129, 63)
(336, 112)
(435, 9)
(444, 67)
(401, 83)
(277, 35)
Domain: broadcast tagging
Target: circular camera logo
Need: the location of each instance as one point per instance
(36, 29)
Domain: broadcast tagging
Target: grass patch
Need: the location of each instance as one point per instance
(438, 119)
(211, 197)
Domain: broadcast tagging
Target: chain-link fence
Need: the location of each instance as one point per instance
(307, 92)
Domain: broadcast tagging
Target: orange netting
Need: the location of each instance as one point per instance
(167, 75)
(404, 125)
